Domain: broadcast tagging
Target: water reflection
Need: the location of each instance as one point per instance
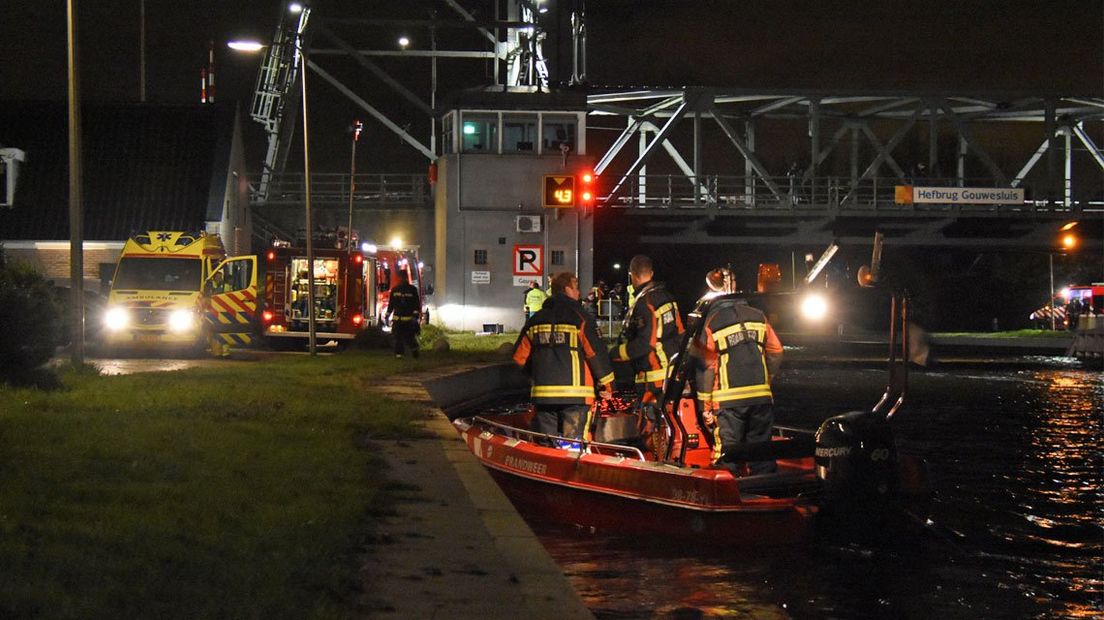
(1016, 465)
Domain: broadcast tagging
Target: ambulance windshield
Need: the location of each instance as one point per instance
(158, 274)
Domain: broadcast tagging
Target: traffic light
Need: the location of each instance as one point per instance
(586, 189)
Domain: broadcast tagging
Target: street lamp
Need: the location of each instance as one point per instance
(1068, 243)
(254, 46)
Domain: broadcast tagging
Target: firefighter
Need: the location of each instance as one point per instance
(737, 354)
(560, 350)
(534, 299)
(404, 311)
(650, 336)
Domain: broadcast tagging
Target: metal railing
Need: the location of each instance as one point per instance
(329, 189)
(585, 447)
(826, 194)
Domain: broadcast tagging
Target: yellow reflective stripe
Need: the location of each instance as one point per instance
(721, 337)
(552, 391)
(575, 368)
(705, 397)
(403, 318)
(749, 391)
(717, 453)
(606, 380)
(660, 353)
(570, 330)
(651, 375)
(623, 351)
(722, 369)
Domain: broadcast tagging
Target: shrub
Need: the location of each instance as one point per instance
(30, 322)
(372, 337)
(429, 335)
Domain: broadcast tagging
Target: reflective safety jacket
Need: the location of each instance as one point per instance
(560, 350)
(737, 352)
(653, 334)
(534, 299)
(404, 303)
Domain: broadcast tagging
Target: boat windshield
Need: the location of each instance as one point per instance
(158, 274)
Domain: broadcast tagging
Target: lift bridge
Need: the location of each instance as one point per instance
(718, 165)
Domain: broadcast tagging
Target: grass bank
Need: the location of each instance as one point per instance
(243, 490)
(1018, 333)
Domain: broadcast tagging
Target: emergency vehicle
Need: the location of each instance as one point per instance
(176, 289)
(1090, 297)
(389, 264)
(344, 299)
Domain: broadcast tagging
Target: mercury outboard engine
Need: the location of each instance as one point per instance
(856, 456)
(856, 461)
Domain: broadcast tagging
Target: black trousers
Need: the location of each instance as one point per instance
(752, 423)
(564, 420)
(406, 336)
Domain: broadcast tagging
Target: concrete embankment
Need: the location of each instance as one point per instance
(455, 547)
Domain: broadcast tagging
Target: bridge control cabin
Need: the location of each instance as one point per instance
(497, 228)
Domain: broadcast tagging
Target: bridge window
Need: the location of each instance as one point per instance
(557, 258)
(446, 133)
(519, 133)
(556, 131)
(480, 133)
(479, 257)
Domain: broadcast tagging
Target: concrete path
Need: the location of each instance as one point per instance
(455, 548)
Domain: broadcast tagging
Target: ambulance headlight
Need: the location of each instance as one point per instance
(116, 319)
(181, 321)
(814, 307)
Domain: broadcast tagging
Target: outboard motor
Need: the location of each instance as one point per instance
(856, 461)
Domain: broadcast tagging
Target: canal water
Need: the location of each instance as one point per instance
(1014, 455)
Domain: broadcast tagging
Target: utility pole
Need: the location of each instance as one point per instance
(76, 213)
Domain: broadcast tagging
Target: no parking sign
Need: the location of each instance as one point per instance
(528, 260)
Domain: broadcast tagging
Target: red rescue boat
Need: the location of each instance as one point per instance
(850, 467)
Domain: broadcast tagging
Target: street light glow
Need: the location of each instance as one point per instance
(1069, 242)
(245, 46)
(396, 243)
(295, 8)
(403, 42)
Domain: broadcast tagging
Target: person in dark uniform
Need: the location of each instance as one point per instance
(404, 310)
(652, 334)
(560, 350)
(737, 354)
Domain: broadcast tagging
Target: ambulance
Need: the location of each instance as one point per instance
(177, 290)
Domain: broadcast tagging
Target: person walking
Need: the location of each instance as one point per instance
(404, 311)
(651, 335)
(560, 350)
(736, 355)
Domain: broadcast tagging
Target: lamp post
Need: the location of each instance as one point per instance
(253, 46)
(357, 128)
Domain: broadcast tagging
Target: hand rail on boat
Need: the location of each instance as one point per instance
(607, 449)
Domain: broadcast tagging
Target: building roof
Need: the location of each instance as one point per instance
(146, 167)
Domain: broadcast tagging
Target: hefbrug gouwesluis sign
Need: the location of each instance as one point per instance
(960, 195)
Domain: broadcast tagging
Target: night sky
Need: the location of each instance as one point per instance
(979, 46)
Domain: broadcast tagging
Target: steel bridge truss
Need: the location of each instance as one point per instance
(806, 204)
(513, 40)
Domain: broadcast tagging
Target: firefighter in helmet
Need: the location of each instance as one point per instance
(736, 355)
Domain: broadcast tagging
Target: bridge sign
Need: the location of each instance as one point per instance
(905, 194)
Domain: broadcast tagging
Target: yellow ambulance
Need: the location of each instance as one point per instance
(179, 290)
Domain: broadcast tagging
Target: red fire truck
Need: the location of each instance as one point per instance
(344, 303)
(389, 263)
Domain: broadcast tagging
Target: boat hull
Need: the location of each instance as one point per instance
(617, 494)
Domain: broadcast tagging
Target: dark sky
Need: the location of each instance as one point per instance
(964, 46)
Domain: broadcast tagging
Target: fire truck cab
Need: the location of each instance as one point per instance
(344, 303)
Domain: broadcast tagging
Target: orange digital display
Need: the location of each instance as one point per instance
(559, 191)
